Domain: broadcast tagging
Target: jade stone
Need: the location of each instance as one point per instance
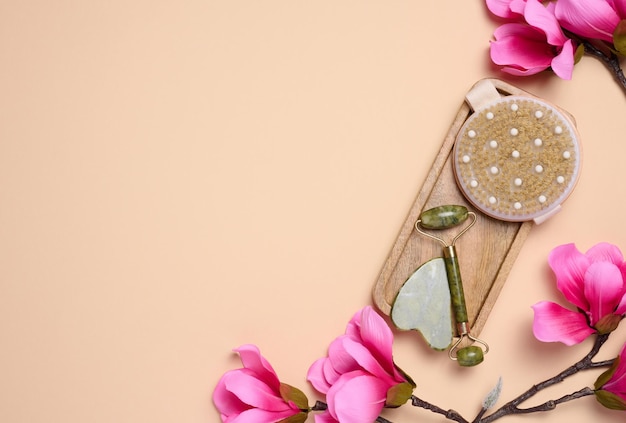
(443, 217)
(455, 284)
(423, 304)
(470, 356)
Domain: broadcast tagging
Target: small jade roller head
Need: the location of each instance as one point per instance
(517, 159)
(443, 217)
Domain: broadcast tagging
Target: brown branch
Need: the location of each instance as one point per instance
(448, 414)
(512, 407)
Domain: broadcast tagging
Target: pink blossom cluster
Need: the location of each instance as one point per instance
(594, 283)
(536, 35)
(358, 377)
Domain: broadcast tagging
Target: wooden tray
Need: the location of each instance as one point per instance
(486, 252)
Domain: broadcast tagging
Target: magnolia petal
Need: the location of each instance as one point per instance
(316, 375)
(606, 252)
(252, 359)
(378, 338)
(569, 265)
(563, 63)
(330, 374)
(517, 29)
(527, 56)
(340, 359)
(225, 401)
(617, 382)
(254, 392)
(502, 8)
(619, 6)
(538, 16)
(353, 329)
(256, 415)
(357, 398)
(518, 6)
(597, 21)
(521, 48)
(621, 307)
(324, 417)
(604, 289)
(346, 355)
(367, 361)
(522, 72)
(553, 323)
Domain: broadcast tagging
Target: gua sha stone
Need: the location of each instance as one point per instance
(423, 304)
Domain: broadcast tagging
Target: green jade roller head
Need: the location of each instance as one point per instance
(445, 217)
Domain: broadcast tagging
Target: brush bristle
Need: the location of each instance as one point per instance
(517, 159)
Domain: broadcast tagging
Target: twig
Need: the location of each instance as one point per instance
(512, 407)
(551, 404)
(448, 414)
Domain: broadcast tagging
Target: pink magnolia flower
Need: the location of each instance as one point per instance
(591, 18)
(253, 394)
(594, 282)
(611, 385)
(507, 8)
(359, 376)
(527, 48)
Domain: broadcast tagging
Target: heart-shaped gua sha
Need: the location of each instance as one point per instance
(423, 304)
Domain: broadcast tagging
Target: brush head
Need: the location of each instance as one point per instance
(517, 159)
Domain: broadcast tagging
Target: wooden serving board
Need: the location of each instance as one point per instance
(486, 252)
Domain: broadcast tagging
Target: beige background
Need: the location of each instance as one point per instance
(178, 178)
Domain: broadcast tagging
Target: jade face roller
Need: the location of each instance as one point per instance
(424, 301)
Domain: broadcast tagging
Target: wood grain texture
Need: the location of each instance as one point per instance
(486, 252)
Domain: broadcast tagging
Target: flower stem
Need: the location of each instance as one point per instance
(448, 414)
(512, 407)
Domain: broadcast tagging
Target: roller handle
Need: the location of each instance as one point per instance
(456, 287)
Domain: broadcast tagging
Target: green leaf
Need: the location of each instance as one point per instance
(296, 418)
(399, 394)
(492, 398)
(608, 323)
(610, 400)
(579, 53)
(606, 376)
(290, 393)
(619, 37)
